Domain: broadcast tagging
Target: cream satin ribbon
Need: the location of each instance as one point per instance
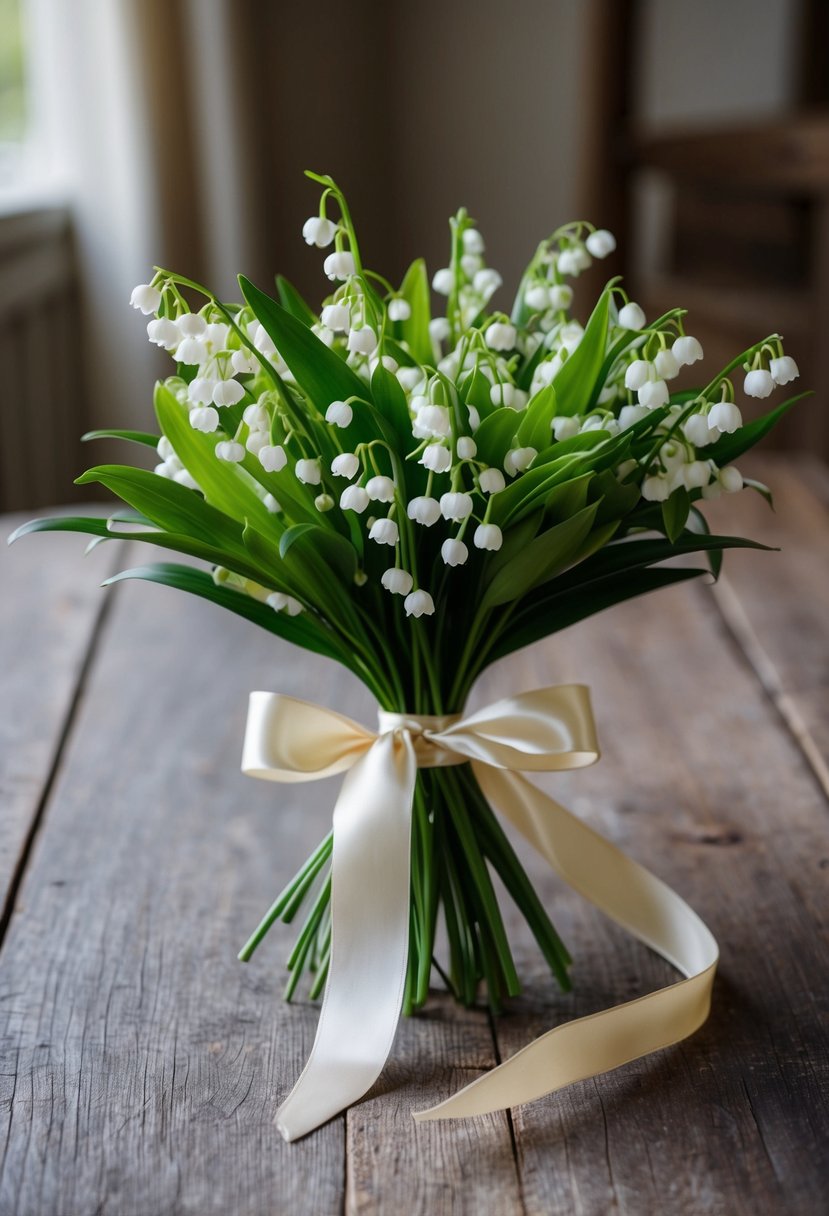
(548, 730)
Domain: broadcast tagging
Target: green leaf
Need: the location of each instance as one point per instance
(618, 498)
(415, 330)
(575, 382)
(729, 447)
(698, 524)
(516, 539)
(321, 373)
(391, 403)
(474, 389)
(567, 498)
(292, 302)
(760, 488)
(332, 548)
(495, 435)
(540, 559)
(675, 513)
(142, 437)
(536, 420)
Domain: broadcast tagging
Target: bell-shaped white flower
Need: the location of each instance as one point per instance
(200, 390)
(487, 282)
(508, 395)
(380, 489)
(473, 242)
(656, 488)
(443, 281)
(230, 451)
(339, 265)
(163, 332)
(271, 504)
(561, 296)
(308, 472)
(257, 440)
(191, 325)
(454, 552)
(724, 416)
(696, 474)
(424, 510)
(666, 364)
(362, 341)
(439, 329)
(164, 448)
(336, 317)
(319, 231)
(565, 427)
(687, 350)
(185, 478)
(601, 243)
(146, 298)
(467, 448)
(488, 536)
(256, 417)
(227, 392)
(784, 369)
(354, 498)
(491, 481)
(432, 422)
(397, 581)
(758, 383)
(730, 478)
(191, 351)
(653, 394)
(519, 459)
(339, 413)
(244, 363)
(474, 418)
(631, 317)
(456, 505)
(410, 378)
(204, 418)
(712, 490)
(419, 603)
(471, 263)
(384, 532)
(501, 336)
(436, 458)
(696, 430)
(570, 335)
(574, 260)
(537, 297)
(345, 465)
(399, 309)
(263, 341)
(284, 603)
(272, 457)
(629, 415)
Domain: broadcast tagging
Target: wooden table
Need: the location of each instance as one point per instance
(143, 1064)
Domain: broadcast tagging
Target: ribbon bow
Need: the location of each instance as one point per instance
(551, 729)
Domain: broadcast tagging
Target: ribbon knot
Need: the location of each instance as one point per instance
(548, 730)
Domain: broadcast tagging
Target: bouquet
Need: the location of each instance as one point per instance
(417, 493)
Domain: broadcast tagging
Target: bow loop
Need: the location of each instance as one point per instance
(290, 740)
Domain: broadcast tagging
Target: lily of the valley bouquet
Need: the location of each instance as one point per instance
(415, 493)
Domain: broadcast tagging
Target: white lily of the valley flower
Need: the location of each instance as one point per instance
(146, 298)
(204, 418)
(432, 422)
(561, 296)
(491, 481)
(439, 329)
(467, 448)
(308, 472)
(508, 395)
(639, 372)
(230, 451)
(488, 536)
(319, 231)
(471, 263)
(263, 341)
(163, 333)
(424, 510)
(454, 552)
(339, 413)
(473, 242)
(339, 265)
(443, 281)
(631, 316)
(227, 392)
(758, 383)
(565, 428)
(519, 459)
(410, 378)
(354, 498)
(324, 502)
(730, 478)
(600, 243)
(653, 394)
(474, 418)
(436, 458)
(688, 350)
(336, 317)
(244, 363)
(191, 351)
(487, 282)
(419, 603)
(456, 506)
(164, 448)
(629, 415)
(272, 457)
(784, 369)
(724, 416)
(200, 390)
(191, 325)
(697, 431)
(656, 489)
(216, 335)
(185, 478)
(537, 297)
(256, 417)
(380, 489)
(696, 474)
(362, 341)
(399, 309)
(501, 336)
(257, 440)
(345, 465)
(284, 603)
(666, 364)
(574, 260)
(384, 532)
(397, 581)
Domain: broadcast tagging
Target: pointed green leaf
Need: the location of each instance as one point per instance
(292, 302)
(142, 437)
(675, 513)
(415, 330)
(540, 559)
(575, 382)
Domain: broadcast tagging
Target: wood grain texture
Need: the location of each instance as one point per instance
(143, 1064)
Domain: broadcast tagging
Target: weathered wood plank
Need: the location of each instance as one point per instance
(48, 617)
(700, 782)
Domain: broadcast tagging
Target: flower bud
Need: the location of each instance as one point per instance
(731, 479)
(471, 263)
(230, 451)
(436, 458)
(488, 536)
(227, 392)
(439, 329)
(397, 581)
(324, 502)
(399, 309)
(573, 260)
(491, 481)
(354, 498)
(783, 370)
(272, 457)
(501, 336)
(339, 413)
(308, 472)
(345, 465)
(319, 231)
(384, 532)
(473, 242)
(419, 603)
(146, 298)
(724, 416)
(474, 417)
(443, 281)
(271, 504)
(631, 317)
(204, 418)
(600, 243)
(456, 506)
(424, 510)
(339, 265)
(696, 474)
(467, 448)
(454, 552)
(758, 383)
(687, 350)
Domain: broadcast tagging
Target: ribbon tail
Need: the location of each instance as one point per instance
(636, 900)
(370, 937)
